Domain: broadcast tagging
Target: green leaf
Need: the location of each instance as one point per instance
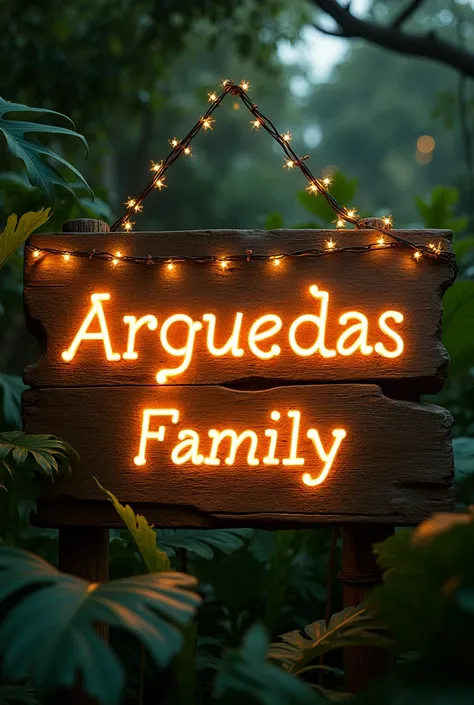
(11, 388)
(201, 542)
(354, 626)
(246, 676)
(45, 453)
(40, 172)
(458, 326)
(21, 693)
(142, 533)
(274, 221)
(17, 231)
(49, 628)
(438, 211)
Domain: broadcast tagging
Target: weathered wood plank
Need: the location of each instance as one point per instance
(58, 298)
(393, 466)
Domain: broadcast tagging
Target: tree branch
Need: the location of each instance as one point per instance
(329, 32)
(406, 13)
(427, 46)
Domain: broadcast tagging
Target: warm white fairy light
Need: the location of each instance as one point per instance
(327, 181)
(417, 255)
(187, 151)
(225, 82)
(207, 122)
(340, 223)
(170, 266)
(36, 253)
(66, 256)
(223, 264)
(128, 225)
(312, 188)
(276, 262)
(115, 261)
(381, 240)
(287, 136)
(330, 244)
(289, 164)
(160, 183)
(156, 166)
(351, 213)
(387, 221)
(118, 254)
(256, 124)
(211, 97)
(174, 142)
(245, 85)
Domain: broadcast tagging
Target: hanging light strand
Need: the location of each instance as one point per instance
(292, 160)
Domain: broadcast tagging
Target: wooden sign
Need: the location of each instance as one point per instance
(134, 358)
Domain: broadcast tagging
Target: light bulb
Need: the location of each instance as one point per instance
(170, 266)
(330, 244)
(174, 142)
(187, 151)
(255, 124)
(66, 256)
(36, 254)
(289, 164)
(327, 181)
(211, 97)
(287, 136)
(417, 255)
(245, 85)
(381, 240)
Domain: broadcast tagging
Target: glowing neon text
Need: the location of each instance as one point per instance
(226, 444)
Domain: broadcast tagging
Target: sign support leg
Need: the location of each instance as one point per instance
(360, 573)
(84, 552)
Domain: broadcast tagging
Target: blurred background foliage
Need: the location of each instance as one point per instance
(395, 132)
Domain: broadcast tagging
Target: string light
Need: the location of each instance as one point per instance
(340, 223)
(160, 183)
(207, 122)
(291, 160)
(432, 251)
(128, 225)
(381, 240)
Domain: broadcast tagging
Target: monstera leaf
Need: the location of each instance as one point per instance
(16, 132)
(17, 231)
(47, 629)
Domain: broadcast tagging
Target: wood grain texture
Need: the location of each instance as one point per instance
(395, 465)
(57, 297)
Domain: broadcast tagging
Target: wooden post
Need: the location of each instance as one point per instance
(360, 573)
(84, 551)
